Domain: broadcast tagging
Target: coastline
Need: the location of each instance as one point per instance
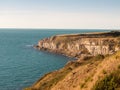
(106, 43)
(83, 45)
(54, 52)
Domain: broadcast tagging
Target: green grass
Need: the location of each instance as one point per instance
(110, 82)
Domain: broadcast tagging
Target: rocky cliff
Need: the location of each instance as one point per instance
(100, 71)
(82, 44)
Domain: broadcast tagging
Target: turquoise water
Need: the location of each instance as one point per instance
(20, 64)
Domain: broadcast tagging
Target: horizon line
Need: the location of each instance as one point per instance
(65, 28)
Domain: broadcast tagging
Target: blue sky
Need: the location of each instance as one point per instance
(60, 14)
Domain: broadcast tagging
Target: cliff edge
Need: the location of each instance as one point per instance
(77, 45)
(98, 70)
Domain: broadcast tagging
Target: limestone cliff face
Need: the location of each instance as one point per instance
(79, 44)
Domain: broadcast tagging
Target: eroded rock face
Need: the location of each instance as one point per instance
(76, 45)
(101, 45)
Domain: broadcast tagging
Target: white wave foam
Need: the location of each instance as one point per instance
(29, 45)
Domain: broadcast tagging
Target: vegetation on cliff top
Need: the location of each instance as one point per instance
(73, 37)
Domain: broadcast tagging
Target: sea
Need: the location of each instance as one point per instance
(21, 64)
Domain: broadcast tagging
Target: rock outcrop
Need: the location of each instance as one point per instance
(82, 44)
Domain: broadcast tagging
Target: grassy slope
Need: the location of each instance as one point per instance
(82, 75)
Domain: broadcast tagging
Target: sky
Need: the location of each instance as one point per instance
(65, 14)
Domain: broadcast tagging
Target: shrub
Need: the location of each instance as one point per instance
(82, 85)
(99, 57)
(110, 82)
(104, 72)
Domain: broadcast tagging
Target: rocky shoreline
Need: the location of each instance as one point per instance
(81, 45)
(54, 52)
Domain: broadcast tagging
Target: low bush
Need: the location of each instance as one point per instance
(110, 82)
